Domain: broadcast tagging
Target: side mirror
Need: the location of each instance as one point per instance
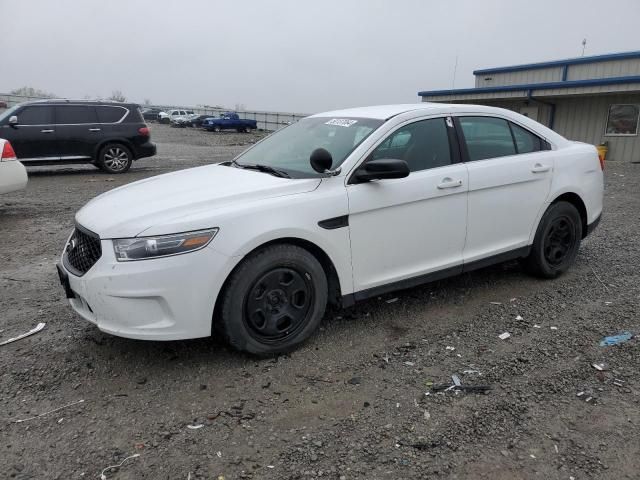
(382, 169)
(321, 160)
(13, 120)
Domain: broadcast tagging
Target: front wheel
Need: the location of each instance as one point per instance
(273, 301)
(216, 129)
(555, 246)
(115, 158)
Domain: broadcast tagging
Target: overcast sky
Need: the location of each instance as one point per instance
(298, 55)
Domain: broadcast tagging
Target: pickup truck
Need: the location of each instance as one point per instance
(229, 121)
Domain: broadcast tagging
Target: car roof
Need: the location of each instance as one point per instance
(67, 101)
(384, 112)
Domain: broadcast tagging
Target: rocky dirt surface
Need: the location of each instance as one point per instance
(353, 402)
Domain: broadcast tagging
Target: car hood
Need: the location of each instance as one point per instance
(182, 201)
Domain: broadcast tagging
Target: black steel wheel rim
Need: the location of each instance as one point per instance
(559, 240)
(278, 304)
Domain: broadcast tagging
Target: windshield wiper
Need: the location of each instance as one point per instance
(264, 168)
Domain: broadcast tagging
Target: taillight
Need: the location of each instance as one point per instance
(144, 131)
(601, 158)
(7, 153)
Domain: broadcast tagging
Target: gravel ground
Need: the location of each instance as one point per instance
(351, 403)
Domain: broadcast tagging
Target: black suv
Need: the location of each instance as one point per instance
(109, 135)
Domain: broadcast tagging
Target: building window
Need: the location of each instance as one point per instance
(623, 120)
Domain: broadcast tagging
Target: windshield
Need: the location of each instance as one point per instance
(7, 113)
(289, 149)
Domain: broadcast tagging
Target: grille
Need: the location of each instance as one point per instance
(83, 251)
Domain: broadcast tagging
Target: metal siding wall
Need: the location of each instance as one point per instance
(538, 75)
(615, 68)
(584, 119)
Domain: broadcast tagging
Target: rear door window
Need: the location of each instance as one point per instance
(75, 114)
(36, 115)
(487, 137)
(108, 114)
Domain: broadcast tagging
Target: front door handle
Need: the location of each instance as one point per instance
(94, 129)
(449, 183)
(46, 131)
(540, 168)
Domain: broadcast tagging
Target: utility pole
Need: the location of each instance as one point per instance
(584, 45)
(455, 68)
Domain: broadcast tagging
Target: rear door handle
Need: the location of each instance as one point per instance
(539, 168)
(449, 183)
(46, 131)
(94, 129)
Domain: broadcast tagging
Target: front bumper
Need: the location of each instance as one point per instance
(168, 298)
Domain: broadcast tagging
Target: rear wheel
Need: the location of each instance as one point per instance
(273, 301)
(115, 158)
(555, 246)
(216, 129)
(247, 130)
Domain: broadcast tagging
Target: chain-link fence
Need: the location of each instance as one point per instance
(265, 120)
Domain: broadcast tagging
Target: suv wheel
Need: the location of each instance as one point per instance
(273, 301)
(115, 158)
(216, 129)
(555, 246)
(247, 130)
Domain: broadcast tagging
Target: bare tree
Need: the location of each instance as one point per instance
(117, 96)
(147, 101)
(32, 92)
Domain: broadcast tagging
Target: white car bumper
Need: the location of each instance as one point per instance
(168, 298)
(13, 176)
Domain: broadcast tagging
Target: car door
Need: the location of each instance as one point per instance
(510, 170)
(412, 229)
(77, 130)
(34, 137)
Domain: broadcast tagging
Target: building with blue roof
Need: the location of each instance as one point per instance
(594, 99)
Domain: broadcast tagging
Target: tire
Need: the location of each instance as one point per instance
(273, 301)
(115, 158)
(555, 246)
(247, 130)
(216, 129)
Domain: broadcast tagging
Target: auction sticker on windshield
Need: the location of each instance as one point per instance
(341, 122)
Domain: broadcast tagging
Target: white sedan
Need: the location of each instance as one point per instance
(13, 175)
(338, 207)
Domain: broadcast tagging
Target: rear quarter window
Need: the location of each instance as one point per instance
(107, 114)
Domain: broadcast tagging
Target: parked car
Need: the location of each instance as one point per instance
(13, 175)
(108, 135)
(150, 114)
(172, 115)
(229, 121)
(197, 121)
(336, 208)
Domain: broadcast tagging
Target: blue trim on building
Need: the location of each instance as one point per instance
(560, 63)
(531, 87)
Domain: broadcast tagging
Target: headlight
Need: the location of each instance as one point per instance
(142, 248)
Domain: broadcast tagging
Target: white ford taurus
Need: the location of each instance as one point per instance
(338, 207)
